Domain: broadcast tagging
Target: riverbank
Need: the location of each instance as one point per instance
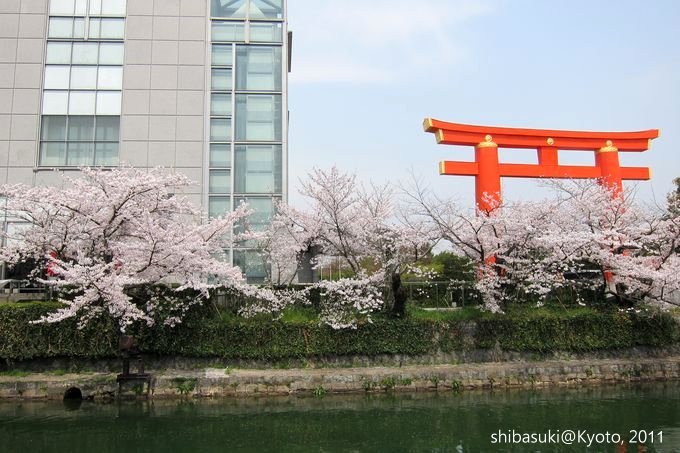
(227, 382)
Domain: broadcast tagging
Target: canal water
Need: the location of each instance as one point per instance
(467, 422)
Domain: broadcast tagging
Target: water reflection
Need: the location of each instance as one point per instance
(443, 422)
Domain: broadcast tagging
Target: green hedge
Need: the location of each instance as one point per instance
(204, 336)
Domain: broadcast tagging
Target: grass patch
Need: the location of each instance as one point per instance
(15, 373)
(299, 315)
(462, 314)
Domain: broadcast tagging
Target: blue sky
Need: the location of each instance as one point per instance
(366, 73)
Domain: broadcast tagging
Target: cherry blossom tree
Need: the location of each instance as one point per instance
(108, 231)
(531, 248)
(358, 225)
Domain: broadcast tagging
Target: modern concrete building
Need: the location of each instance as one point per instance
(195, 85)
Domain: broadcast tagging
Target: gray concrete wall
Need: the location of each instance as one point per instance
(164, 87)
(220, 382)
(22, 40)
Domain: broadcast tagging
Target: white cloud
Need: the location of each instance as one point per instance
(358, 41)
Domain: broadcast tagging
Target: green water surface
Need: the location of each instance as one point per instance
(421, 422)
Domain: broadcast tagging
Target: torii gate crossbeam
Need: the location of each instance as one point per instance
(488, 171)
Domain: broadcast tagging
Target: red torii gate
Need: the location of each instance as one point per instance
(488, 171)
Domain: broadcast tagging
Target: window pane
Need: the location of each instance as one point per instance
(107, 128)
(113, 7)
(111, 53)
(220, 155)
(220, 104)
(106, 154)
(228, 31)
(258, 68)
(81, 103)
(110, 78)
(221, 79)
(95, 28)
(108, 103)
(265, 32)
(95, 7)
(58, 52)
(266, 9)
(81, 128)
(79, 154)
(221, 55)
(112, 28)
(258, 169)
(220, 129)
(79, 28)
(85, 53)
(219, 181)
(60, 27)
(55, 103)
(53, 128)
(218, 206)
(61, 7)
(53, 154)
(83, 78)
(258, 117)
(81, 7)
(57, 77)
(264, 210)
(228, 8)
(251, 264)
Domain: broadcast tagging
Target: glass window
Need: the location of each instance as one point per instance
(110, 78)
(220, 155)
(95, 7)
(251, 264)
(257, 169)
(81, 128)
(266, 32)
(112, 7)
(263, 211)
(82, 103)
(112, 29)
(228, 8)
(58, 53)
(108, 103)
(220, 181)
(57, 77)
(258, 68)
(258, 117)
(53, 154)
(221, 79)
(55, 103)
(218, 206)
(79, 154)
(266, 9)
(106, 154)
(53, 128)
(63, 7)
(83, 78)
(79, 28)
(60, 27)
(85, 53)
(111, 53)
(81, 7)
(220, 104)
(107, 128)
(220, 129)
(221, 55)
(228, 31)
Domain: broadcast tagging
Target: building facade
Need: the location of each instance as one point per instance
(199, 86)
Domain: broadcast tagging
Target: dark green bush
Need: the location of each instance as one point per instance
(205, 335)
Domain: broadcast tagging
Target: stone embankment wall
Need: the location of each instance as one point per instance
(221, 382)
